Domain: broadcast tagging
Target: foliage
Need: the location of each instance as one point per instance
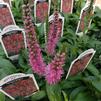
(85, 86)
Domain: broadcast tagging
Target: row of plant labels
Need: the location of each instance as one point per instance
(11, 33)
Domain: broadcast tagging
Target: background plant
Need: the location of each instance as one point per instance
(85, 86)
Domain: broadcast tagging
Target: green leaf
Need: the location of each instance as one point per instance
(84, 96)
(23, 60)
(2, 97)
(6, 68)
(94, 83)
(1, 51)
(38, 95)
(66, 84)
(54, 92)
(91, 68)
(97, 85)
(76, 91)
(65, 96)
(29, 71)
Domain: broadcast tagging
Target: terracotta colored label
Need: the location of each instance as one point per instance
(13, 42)
(42, 8)
(85, 20)
(5, 16)
(67, 6)
(21, 87)
(80, 64)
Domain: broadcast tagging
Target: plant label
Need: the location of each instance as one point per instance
(67, 6)
(13, 40)
(85, 19)
(9, 2)
(6, 17)
(80, 63)
(19, 85)
(41, 10)
(53, 24)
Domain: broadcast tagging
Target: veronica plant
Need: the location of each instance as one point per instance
(53, 71)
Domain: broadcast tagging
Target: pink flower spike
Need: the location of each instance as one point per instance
(54, 70)
(35, 55)
(54, 34)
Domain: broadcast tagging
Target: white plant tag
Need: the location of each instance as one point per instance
(80, 63)
(19, 85)
(6, 17)
(41, 10)
(9, 2)
(67, 6)
(13, 40)
(85, 20)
